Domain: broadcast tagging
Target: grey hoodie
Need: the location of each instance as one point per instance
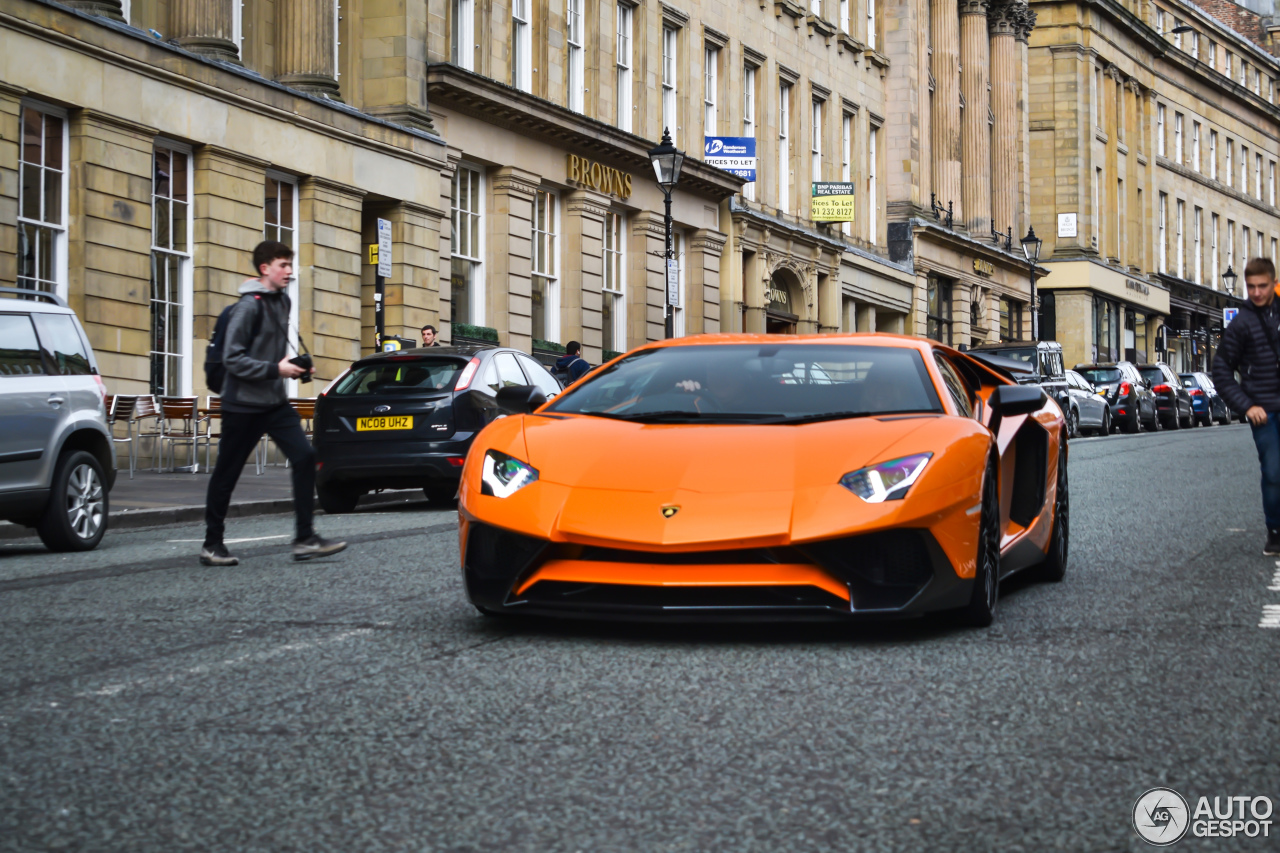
(253, 382)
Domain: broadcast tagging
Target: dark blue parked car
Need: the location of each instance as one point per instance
(1206, 405)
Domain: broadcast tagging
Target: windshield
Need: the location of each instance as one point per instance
(399, 377)
(746, 383)
(1026, 355)
(1101, 375)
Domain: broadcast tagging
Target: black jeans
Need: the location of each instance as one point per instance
(240, 435)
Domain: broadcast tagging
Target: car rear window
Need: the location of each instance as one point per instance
(1026, 355)
(1101, 375)
(1152, 375)
(400, 377)
(19, 351)
(1188, 381)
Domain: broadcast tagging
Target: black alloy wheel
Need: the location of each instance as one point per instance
(980, 612)
(1054, 567)
(336, 500)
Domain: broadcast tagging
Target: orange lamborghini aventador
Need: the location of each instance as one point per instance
(767, 477)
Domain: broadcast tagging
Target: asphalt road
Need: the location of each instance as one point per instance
(150, 704)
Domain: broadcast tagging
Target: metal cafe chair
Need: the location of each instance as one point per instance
(181, 424)
(147, 423)
(120, 409)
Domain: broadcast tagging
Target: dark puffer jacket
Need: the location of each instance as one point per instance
(1251, 345)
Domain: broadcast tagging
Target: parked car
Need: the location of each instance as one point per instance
(1131, 402)
(1207, 404)
(406, 419)
(1043, 360)
(57, 463)
(1173, 401)
(1089, 409)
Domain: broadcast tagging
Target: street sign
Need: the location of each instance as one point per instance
(384, 247)
(735, 154)
(1229, 314)
(673, 283)
(833, 201)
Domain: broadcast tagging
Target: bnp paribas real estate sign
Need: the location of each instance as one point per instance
(735, 154)
(832, 201)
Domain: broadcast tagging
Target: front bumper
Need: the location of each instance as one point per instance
(894, 573)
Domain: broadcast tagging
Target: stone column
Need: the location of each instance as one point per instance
(109, 246)
(328, 265)
(753, 283)
(1005, 76)
(866, 317)
(413, 290)
(392, 72)
(583, 270)
(702, 268)
(946, 104)
(1026, 21)
(975, 131)
(509, 282)
(646, 279)
(10, 133)
(205, 27)
(304, 52)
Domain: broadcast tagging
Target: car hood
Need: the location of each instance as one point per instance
(744, 482)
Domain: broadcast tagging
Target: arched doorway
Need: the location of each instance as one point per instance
(782, 300)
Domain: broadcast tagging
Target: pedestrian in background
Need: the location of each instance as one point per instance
(429, 336)
(254, 402)
(571, 366)
(1251, 345)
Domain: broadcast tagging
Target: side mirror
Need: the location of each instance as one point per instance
(520, 399)
(1010, 400)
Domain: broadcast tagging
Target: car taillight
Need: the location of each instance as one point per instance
(1162, 389)
(1196, 392)
(102, 388)
(455, 461)
(468, 373)
(1125, 388)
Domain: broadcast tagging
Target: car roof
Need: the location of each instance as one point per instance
(856, 338)
(464, 351)
(37, 302)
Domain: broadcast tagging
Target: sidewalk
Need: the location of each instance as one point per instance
(151, 499)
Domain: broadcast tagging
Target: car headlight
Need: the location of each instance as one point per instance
(887, 481)
(502, 475)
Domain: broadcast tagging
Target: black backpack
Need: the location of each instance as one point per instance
(215, 374)
(563, 374)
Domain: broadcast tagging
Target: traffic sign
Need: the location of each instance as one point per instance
(384, 247)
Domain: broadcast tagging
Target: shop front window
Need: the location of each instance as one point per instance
(1105, 330)
(939, 311)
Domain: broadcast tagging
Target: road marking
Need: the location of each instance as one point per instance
(1275, 580)
(1270, 616)
(251, 657)
(238, 541)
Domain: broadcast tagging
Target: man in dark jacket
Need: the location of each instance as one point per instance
(571, 366)
(254, 402)
(1251, 345)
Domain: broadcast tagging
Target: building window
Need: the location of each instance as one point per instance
(815, 143)
(545, 308)
(873, 203)
(1226, 61)
(1273, 250)
(749, 118)
(939, 311)
(846, 159)
(625, 13)
(280, 223)
(1231, 246)
(1271, 183)
(871, 24)
(1180, 262)
(466, 243)
(1257, 176)
(463, 51)
(1162, 243)
(1010, 320)
(784, 145)
(1177, 137)
(1160, 129)
(1213, 54)
(42, 202)
(844, 15)
(815, 8)
(613, 303)
(170, 271)
(1230, 170)
(1215, 269)
(1195, 145)
(711, 62)
(1121, 226)
(521, 46)
(1244, 168)
(1160, 21)
(1197, 271)
(1244, 247)
(1261, 241)
(573, 16)
(669, 81)
(1097, 210)
(1213, 155)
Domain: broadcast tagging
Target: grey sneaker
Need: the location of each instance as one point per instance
(1272, 548)
(314, 546)
(217, 555)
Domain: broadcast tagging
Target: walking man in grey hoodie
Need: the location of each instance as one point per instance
(254, 402)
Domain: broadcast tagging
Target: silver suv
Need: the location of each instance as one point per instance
(57, 462)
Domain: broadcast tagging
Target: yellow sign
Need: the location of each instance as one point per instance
(982, 267)
(373, 253)
(833, 201)
(605, 179)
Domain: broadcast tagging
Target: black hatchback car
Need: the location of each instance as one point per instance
(1173, 401)
(406, 419)
(1133, 406)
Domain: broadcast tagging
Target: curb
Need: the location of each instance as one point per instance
(128, 519)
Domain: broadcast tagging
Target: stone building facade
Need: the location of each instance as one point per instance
(1155, 157)
(958, 197)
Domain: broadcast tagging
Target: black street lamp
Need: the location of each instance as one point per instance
(1031, 248)
(1229, 280)
(667, 161)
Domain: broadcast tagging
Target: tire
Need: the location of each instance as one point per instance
(980, 612)
(78, 510)
(1174, 422)
(337, 501)
(1189, 421)
(440, 494)
(1073, 424)
(1135, 423)
(1106, 421)
(1054, 567)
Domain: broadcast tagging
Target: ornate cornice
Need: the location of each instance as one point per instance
(1026, 22)
(1003, 18)
(513, 181)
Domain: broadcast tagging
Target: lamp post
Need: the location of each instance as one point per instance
(1031, 248)
(667, 161)
(1229, 280)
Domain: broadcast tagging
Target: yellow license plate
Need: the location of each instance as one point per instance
(384, 422)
